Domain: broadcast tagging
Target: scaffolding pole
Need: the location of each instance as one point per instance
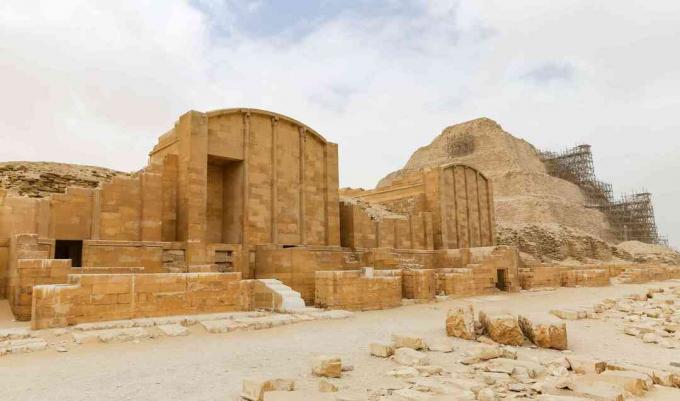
(631, 216)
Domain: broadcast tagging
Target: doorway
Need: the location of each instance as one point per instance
(501, 279)
(69, 249)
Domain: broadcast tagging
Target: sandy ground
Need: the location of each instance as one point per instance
(205, 366)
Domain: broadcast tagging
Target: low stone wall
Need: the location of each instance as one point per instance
(101, 297)
(541, 277)
(351, 290)
(647, 273)
(419, 283)
(585, 278)
(455, 282)
(29, 273)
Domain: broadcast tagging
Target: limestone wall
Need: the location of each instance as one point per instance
(126, 208)
(149, 255)
(585, 278)
(351, 291)
(30, 273)
(296, 267)
(452, 203)
(419, 284)
(101, 297)
(359, 230)
(456, 282)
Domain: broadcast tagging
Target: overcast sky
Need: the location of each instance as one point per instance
(96, 82)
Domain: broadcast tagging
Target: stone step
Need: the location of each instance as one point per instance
(284, 298)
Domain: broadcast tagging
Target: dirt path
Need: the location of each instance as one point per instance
(206, 366)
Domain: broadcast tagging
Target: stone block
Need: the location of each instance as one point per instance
(327, 366)
(460, 322)
(382, 350)
(410, 357)
(545, 332)
(254, 389)
(408, 341)
(502, 328)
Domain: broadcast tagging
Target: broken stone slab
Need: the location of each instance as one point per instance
(502, 328)
(583, 365)
(460, 322)
(485, 352)
(596, 388)
(659, 376)
(429, 370)
(408, 341)
(254, 389)
(122, 335)
(404, 373)
(222, 326)
(15, 333)
(327, 314)
(302, 395)
(410, 357)
(515, 366)
(113, 324)
(544, 331)
(143, 322)
(24, 345)
(327, 366)
(633, 382)
(430, 385)
(382, 350)
(173, 330)
(569, 313)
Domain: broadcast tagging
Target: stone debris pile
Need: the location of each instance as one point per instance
(20, 340)
(506, 328)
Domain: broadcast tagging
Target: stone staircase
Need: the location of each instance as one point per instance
(283, 298)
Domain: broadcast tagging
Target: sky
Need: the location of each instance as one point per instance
(96, 82)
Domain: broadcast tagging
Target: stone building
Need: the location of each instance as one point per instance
(232, 195)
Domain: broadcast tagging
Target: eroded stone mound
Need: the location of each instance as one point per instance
(41, 179)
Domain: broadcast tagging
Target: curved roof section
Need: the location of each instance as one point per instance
(220, 112)
(454, 164)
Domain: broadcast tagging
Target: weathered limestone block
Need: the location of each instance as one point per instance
(327, 366)
(593, 386)
(545, 332)
(582, 365)
(502, 328)
(410, 357)
(633, 382)
(484, 352)
(408, 341)
(253, 389)
(460, 322)
(382, 350)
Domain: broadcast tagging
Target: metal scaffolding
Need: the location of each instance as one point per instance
(631, 216)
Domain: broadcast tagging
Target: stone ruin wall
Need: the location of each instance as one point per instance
(240, 193)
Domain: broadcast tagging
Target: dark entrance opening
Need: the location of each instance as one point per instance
(69, 249)
(500, 279)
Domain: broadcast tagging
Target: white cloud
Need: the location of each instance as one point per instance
(96, 81)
